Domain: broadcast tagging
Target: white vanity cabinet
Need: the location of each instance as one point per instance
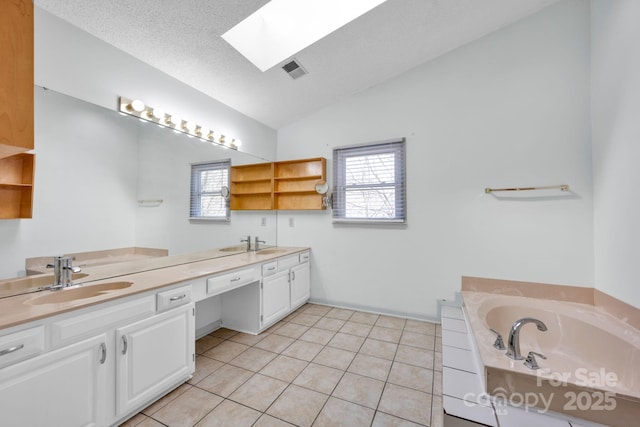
(153, 355)
(275, 297)
(300, 285)
(65, 387)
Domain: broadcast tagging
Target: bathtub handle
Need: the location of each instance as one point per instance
(531, 361)
(499, 343)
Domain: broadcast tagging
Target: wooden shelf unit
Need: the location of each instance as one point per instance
(295, 184)
(16, 186)
(252, 187)
(16, 77)
(287, 185)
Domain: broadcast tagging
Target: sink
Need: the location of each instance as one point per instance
(30, 284)
(271, 251)
(239, 248)
(72, 294)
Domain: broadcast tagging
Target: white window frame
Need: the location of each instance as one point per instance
(197, 193)
(341, 154)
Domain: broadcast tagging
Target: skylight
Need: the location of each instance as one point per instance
(282, 28)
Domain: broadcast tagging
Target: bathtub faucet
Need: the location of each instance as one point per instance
(513, 344)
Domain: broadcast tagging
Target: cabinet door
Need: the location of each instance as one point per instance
(275, 297)
(300, 285)
(152, 356)
(65, 387)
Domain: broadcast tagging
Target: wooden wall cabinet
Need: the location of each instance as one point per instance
(16, 186)
(286, 185)
(16, 77)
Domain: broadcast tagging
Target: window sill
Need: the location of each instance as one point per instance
(205, 219)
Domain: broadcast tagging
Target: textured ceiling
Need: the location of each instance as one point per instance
(183, 39)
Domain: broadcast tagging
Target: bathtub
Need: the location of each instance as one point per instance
(592, 369)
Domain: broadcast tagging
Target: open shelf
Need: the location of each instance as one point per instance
(16, 186)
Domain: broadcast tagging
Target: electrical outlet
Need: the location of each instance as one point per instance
(263, 221)
(291, 222)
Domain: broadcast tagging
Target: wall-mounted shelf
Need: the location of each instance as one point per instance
(287, 185)
(16, 186)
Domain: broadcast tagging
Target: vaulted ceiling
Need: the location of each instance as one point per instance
(183, 39)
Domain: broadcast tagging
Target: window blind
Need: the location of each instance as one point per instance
(207, 180)
(369, 182)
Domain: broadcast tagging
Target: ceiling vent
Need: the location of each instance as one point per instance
(294, 69)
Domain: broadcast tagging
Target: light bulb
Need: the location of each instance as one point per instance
(191, 126)
(137, 105)
(158, 113)
(216, 135)
(177, 121)
(204, 132)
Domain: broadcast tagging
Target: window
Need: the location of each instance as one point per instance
(207, 182)
(369, 182)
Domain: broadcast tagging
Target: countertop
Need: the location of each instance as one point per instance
(145, 275)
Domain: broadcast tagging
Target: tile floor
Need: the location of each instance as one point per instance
(320, 366)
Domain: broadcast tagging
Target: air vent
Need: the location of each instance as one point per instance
(294, 69)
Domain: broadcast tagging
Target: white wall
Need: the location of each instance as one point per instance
(85, 184)
(616, 146)
(511, 109)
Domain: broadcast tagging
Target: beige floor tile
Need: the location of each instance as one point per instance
(188, 408)
(411, 376)
(385, 420)
(226, 380)
(426, 328)
(370, 366)
(204, 367)
(406, 403)
(291, 330)
(358, 389)
(319, 378)
(437, 383)
(149, 422)
(259, 392)
(340, 313)
(248, 339)
(334, 358)
(438, 344)
(346, 342)
(341, 413)
(377, 348)
(275, 343)
(253, 359)
(437, 412)
(318, 310)
(303, 350)
(330, 324)
(390, 322)
(164, 401)
(229, 413)
(305, 319)
(361, 317)
(226, 351)
(206, 343)
(437, 361)
(355, 328)
(284, 368)
(439, 330)
(223, 333)
(276, 326)
(269, 421)
(134, 421)
(415, 356)
(418, 340)
(386, 334)
(298, 405)
(318, 336)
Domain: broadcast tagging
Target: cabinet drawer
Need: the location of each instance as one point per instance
(269, 268)
(226, 282)
(21, 345)
(173, 298)
(287, 263)
(304, 257)
(76, 326)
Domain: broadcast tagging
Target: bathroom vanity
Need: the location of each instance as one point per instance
(97, 358)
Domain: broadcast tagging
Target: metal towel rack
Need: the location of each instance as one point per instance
(549, 187)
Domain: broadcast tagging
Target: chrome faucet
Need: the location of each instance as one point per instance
(256, 246)
(513, 342)
(63, 270)
(248, 240)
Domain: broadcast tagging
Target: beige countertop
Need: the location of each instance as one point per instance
(145, 275)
